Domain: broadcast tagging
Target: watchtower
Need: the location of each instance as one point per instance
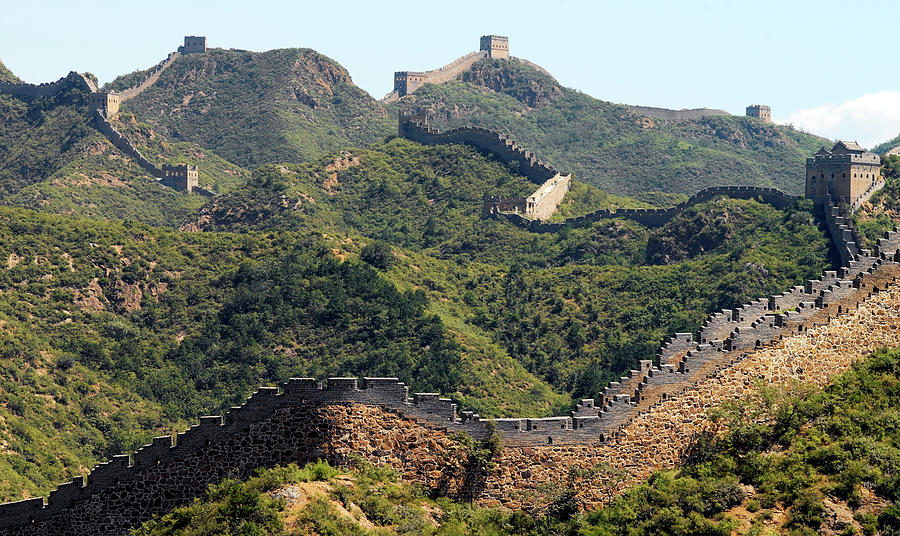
(497, 46)
(182, 177)
(105, 103)
(194, 44)
(847, 170)
(761, 112)
(405, 82)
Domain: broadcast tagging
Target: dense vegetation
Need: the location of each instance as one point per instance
(607, 145)
(794, 460)
(254, 108)
(576, 308)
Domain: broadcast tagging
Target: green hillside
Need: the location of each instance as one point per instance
(813, 462)
(382, 267)
(576, 308)
(255, 108)
(114, 332)
(610, 146)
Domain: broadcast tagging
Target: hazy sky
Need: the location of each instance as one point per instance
(826, 66)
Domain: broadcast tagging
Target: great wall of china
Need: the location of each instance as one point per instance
(646, 421)
(629, 426)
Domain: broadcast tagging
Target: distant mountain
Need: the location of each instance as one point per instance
(259, 107)
(622, 149)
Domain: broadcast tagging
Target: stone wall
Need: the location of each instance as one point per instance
(652, 429)
(656, 217)
(492, 141)
(436, 76)
(151, 78)
(32, 91)
(544, 201)
(540, 205)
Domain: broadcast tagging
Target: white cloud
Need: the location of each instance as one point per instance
(870, 119)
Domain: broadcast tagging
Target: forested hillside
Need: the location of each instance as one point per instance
(610, 146)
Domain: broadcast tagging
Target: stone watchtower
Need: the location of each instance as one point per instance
(405, 82)
(182, 177)
(194, 44)
(106, 103)
(847, 171)
(761, 112)
(496, 46)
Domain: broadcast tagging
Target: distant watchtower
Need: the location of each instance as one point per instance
(105, 103)
(194, 44)
(405, 82)
(182, 177)
(761, 112)
(497, 46)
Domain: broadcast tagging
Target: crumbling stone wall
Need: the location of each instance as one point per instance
(659, 216)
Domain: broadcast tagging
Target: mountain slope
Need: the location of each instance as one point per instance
(255, 108)
(611, 146)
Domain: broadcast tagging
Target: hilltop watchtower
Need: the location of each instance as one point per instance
(496, 46)
(761, 112)
(105, 103)
(194, 44)
(405, 82)
(847, 170)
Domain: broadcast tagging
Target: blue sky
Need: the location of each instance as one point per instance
(822, 66)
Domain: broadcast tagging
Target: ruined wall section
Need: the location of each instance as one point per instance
(660, 216)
